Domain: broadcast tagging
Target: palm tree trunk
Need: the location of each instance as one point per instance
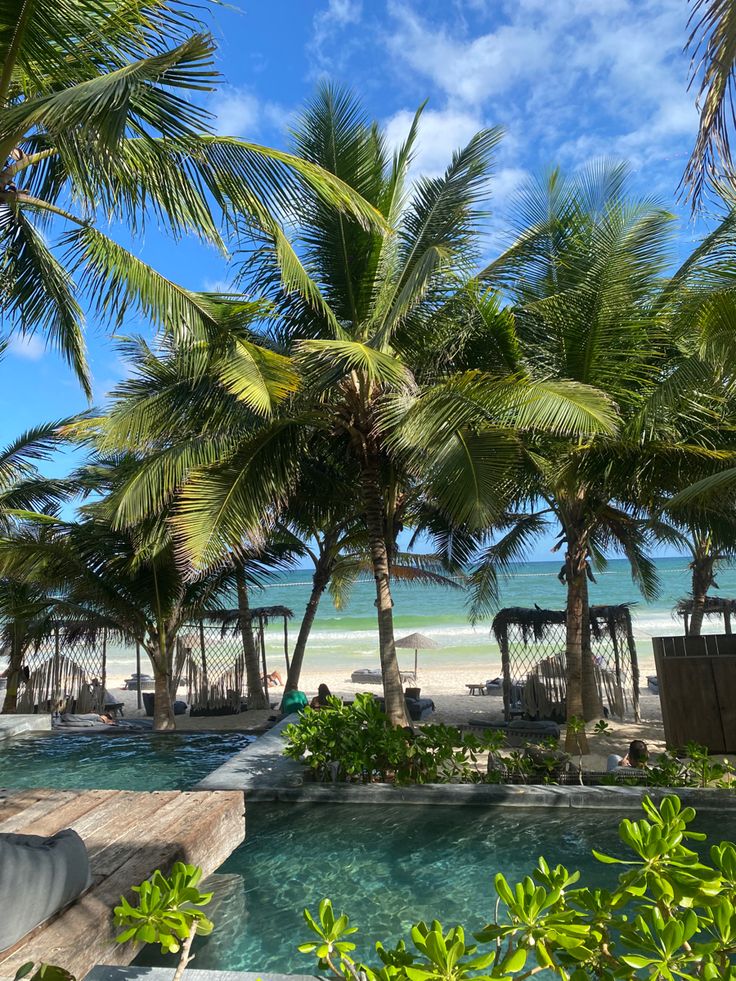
(393, 691)
(163, 708)
(576, 610)
(319, 583)
(14, 674)
(592, 703)
(161, 663)
(257, 697)
(702, 578)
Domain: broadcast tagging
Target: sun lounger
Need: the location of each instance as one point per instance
(373, 676)
(145, 683)
(88, 721)
(519, 731)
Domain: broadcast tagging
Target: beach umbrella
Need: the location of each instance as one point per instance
(417, 642)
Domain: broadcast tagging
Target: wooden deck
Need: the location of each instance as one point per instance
(128, 835)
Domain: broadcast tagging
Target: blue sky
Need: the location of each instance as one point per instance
(568, 80)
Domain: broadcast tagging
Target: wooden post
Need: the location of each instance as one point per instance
(262, 640)
(612, 628)
(506, 671)
(139, 699)
(286, 644)
(57, 672)
(634, 666)
(727, 620)
(103, 677)
(205, 680)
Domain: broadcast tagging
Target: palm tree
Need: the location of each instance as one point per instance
(373, 302)
(712, 42)
(585, 278)
(100, 125)
(128, 580)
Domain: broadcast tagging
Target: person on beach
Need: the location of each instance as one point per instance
(636, 757)
(320, 699)
(293, 701)
(272, 679)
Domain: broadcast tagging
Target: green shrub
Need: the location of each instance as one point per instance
(672, 915)
(357, 743)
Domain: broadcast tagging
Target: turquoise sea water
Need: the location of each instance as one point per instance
(386, 867)
(115, 761)
(348, 638)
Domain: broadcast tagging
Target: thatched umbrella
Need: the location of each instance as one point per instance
(417, 642)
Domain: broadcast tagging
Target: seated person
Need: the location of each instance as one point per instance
(320, 699)
(636, 757)
(272, 679)
(293, 701)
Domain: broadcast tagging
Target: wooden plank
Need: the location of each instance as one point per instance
(198, 827)
(62, 815)
(13, 801)
(143, 841)
(724, 677)
(690, 709)
(37, 811)
(102, 828)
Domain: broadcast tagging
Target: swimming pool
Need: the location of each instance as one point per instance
(115, 761)
(386, 867)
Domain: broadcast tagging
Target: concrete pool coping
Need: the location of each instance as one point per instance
(265, 774)
(16, 725)
(104, 972)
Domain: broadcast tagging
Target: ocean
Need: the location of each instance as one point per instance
(347, 638)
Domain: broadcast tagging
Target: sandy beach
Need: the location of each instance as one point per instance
(446, 686)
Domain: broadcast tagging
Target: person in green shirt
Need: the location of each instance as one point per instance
(293, 701)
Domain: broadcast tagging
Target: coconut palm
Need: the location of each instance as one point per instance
(101, 126)
(586, 281)
(129, 580)
(374, 305)
(712, 42)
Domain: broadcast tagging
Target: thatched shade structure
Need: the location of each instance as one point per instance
(715, 606)
(533, 659)
(417, 642)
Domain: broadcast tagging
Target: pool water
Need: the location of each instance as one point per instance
(115, 761)
(386, 867)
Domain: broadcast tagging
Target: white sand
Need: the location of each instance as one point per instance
(453, 706)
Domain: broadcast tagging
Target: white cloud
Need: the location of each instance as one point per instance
(240, 113)
(568, 79)
(441, 132)
(327, 24)
(27, 346)
(506, 182)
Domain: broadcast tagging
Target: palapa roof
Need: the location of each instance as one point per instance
(537, 621)
(714, 606)
(417, 642)
(234, 619)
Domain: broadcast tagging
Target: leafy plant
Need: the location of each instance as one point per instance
(357, 743)
(167, 913)
(42, 972)
(671, 915)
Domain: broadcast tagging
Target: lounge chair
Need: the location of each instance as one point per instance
(38, 877)
(373, 676)
(144, 682)
(518, 732)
